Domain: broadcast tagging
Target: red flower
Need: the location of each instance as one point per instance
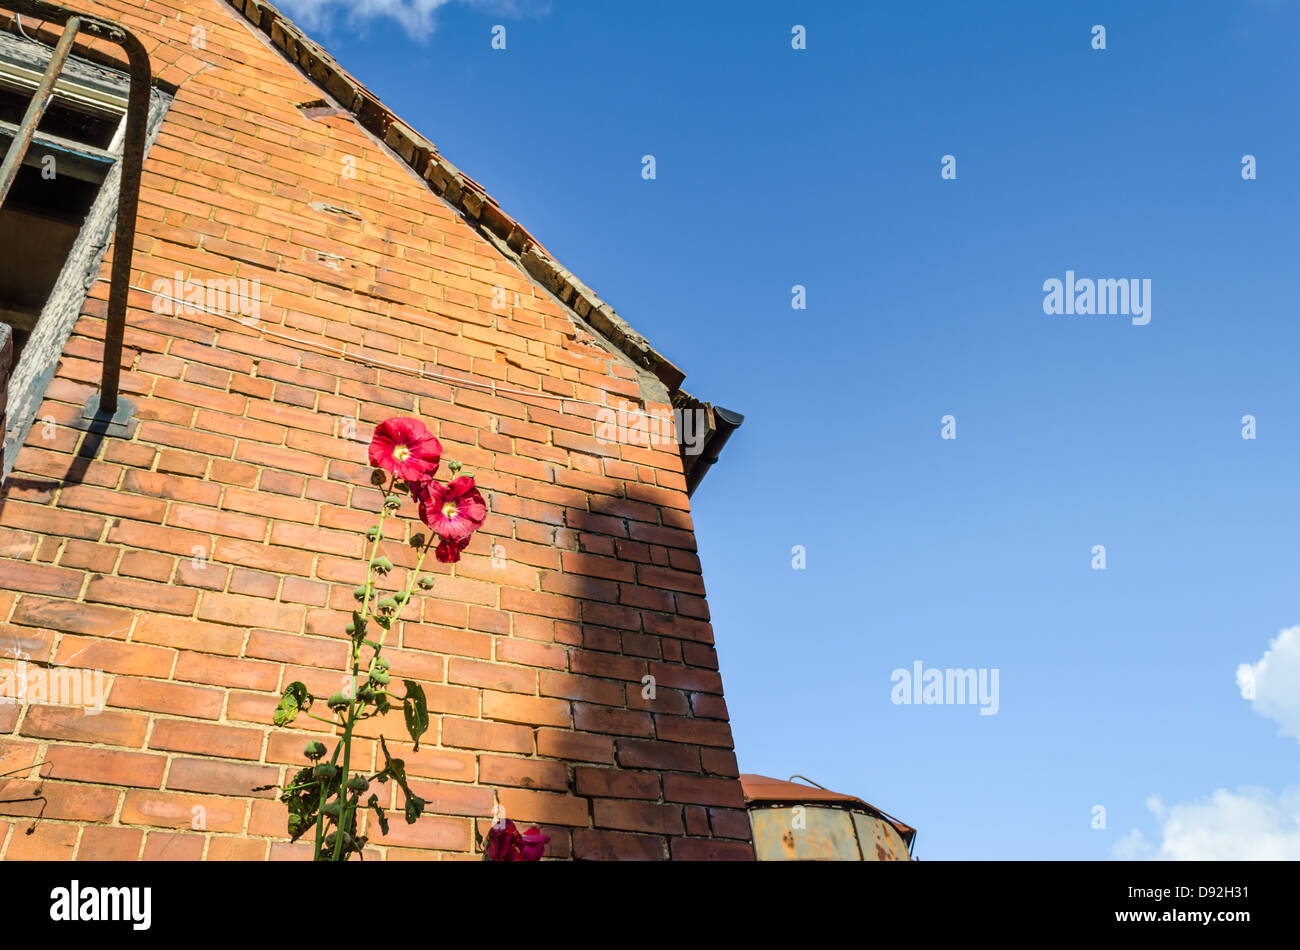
(448, 552)
(405, 448)
(531, 845)
(453, 511)
(505, 843)
(501, 842)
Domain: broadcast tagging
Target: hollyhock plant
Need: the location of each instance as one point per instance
(327, 794)
(405, 448)
(505, 842)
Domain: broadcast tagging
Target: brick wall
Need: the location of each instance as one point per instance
(210, 559)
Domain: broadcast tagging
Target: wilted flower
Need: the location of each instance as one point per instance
(448, 552)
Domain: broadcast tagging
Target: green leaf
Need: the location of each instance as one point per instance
(295, 699)
(396, 769)
(302, 803)
(414, 806)
(416, 711)
(373, 804)
(358, 626)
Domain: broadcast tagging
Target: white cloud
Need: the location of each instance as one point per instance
(1273, 684)
(416, 17)
(1249, 823)
(1246, 824)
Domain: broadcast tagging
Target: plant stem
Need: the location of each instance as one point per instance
(354, 708)
(346, 741)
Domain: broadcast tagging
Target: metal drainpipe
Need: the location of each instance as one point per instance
(725, 423)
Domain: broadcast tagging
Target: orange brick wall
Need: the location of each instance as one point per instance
(250, 454)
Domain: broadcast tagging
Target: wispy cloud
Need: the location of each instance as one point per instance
(1248, 823)
(416, 17)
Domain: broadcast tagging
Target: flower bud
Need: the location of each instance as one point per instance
(377, 477)
(425, 582)
(314, 750)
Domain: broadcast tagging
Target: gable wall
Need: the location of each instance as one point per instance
(210, 559)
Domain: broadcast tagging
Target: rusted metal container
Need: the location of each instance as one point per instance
(796, 822)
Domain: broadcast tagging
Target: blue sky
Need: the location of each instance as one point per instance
(821, 167)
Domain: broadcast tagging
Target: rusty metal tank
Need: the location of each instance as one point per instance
(797, 822)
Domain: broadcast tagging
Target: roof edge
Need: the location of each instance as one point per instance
(456, 188)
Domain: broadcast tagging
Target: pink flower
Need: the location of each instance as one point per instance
(453, 511)
(405, 448)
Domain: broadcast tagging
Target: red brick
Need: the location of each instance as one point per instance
(638, 816)
(164, 846)
(238, 611)
(526, 773)
(39, 579)
(142, 595)
(133, 659)
(197, 738)
(562, 744)
(589, 845)
(711, 849)
(622, 722)
(47, 842)
(494, 737)
(105, 766)
(190, 634)
(703, 791)
(221, 778)
(528, 710)
(524, 805)
(633, 753)
(617, 783)
(176, 810)
(74, 724)
(109, 844)
(155, 696)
